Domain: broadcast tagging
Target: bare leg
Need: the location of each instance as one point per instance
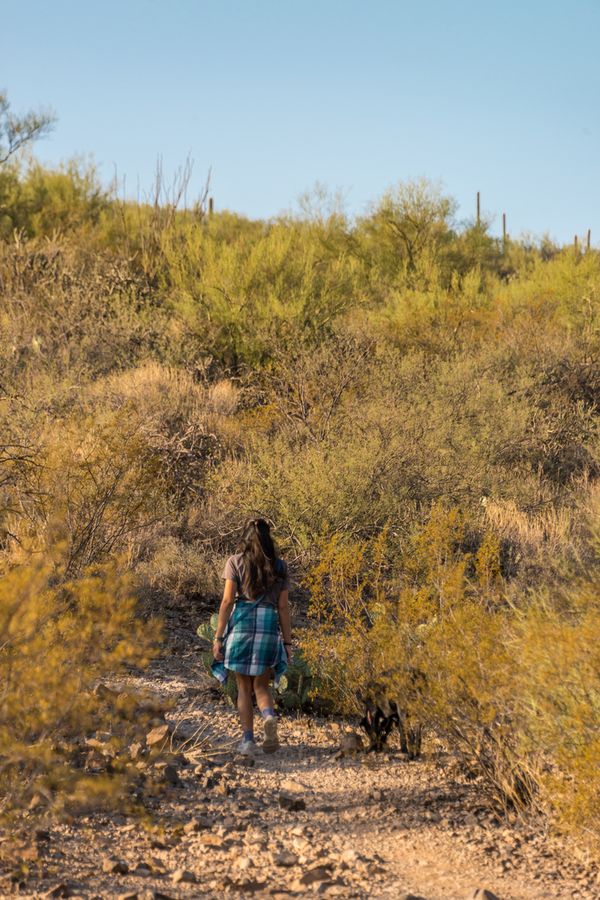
(244, 701)
(264, 697)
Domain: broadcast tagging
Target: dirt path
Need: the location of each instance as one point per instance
(372, 826)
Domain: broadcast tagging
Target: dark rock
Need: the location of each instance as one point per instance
(291, 802)
(183, 875)
(250, 886)
(320, 872)
(285, 858)
(170, 775)
(154, 895)
(113, 866)
(59, 890)
(482, 894)
(142, 870)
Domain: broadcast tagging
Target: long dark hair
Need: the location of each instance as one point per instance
(260, 556)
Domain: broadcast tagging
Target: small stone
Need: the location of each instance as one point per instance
(243, 863)
(158, 735)
(59, 890)
(134, 750)
(201, 823)
(248, 887)
(351, 742)
(37, 801)
(154, 895)
(257, 839)
(160, 845)
(349, 855)
(482, 894)
(210, 781)
(213, 840)
(183, 875)
(316, 873)
(292, 787)
(142, 870)
(285, 858)
(131, 895)
(170, 775)
(113, 866)
(291, 802)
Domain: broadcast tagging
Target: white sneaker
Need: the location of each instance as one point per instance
(271, 741)
(247, 748)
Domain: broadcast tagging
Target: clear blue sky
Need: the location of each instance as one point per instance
(501, 97)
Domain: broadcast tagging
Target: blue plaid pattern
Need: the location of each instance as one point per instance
(252, 642)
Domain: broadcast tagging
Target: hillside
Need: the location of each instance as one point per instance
(413, 403)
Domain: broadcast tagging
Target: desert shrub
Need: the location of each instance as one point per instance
(508, 678)
(71, 314)
(559, 691)
(46, 202)
(57, 638)
(558, 672)
(349, 436)
(179, 569)
(98, 487)
(241, 299)
(430, 635)
(404, 237)
(186, 422)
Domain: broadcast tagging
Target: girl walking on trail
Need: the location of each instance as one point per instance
(253, 636)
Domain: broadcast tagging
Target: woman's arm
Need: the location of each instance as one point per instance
(283, 607)
(224, 613)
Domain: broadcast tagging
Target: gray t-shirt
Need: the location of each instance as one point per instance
(235, 569)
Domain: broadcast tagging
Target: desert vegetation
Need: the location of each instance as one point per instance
(414, 405)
